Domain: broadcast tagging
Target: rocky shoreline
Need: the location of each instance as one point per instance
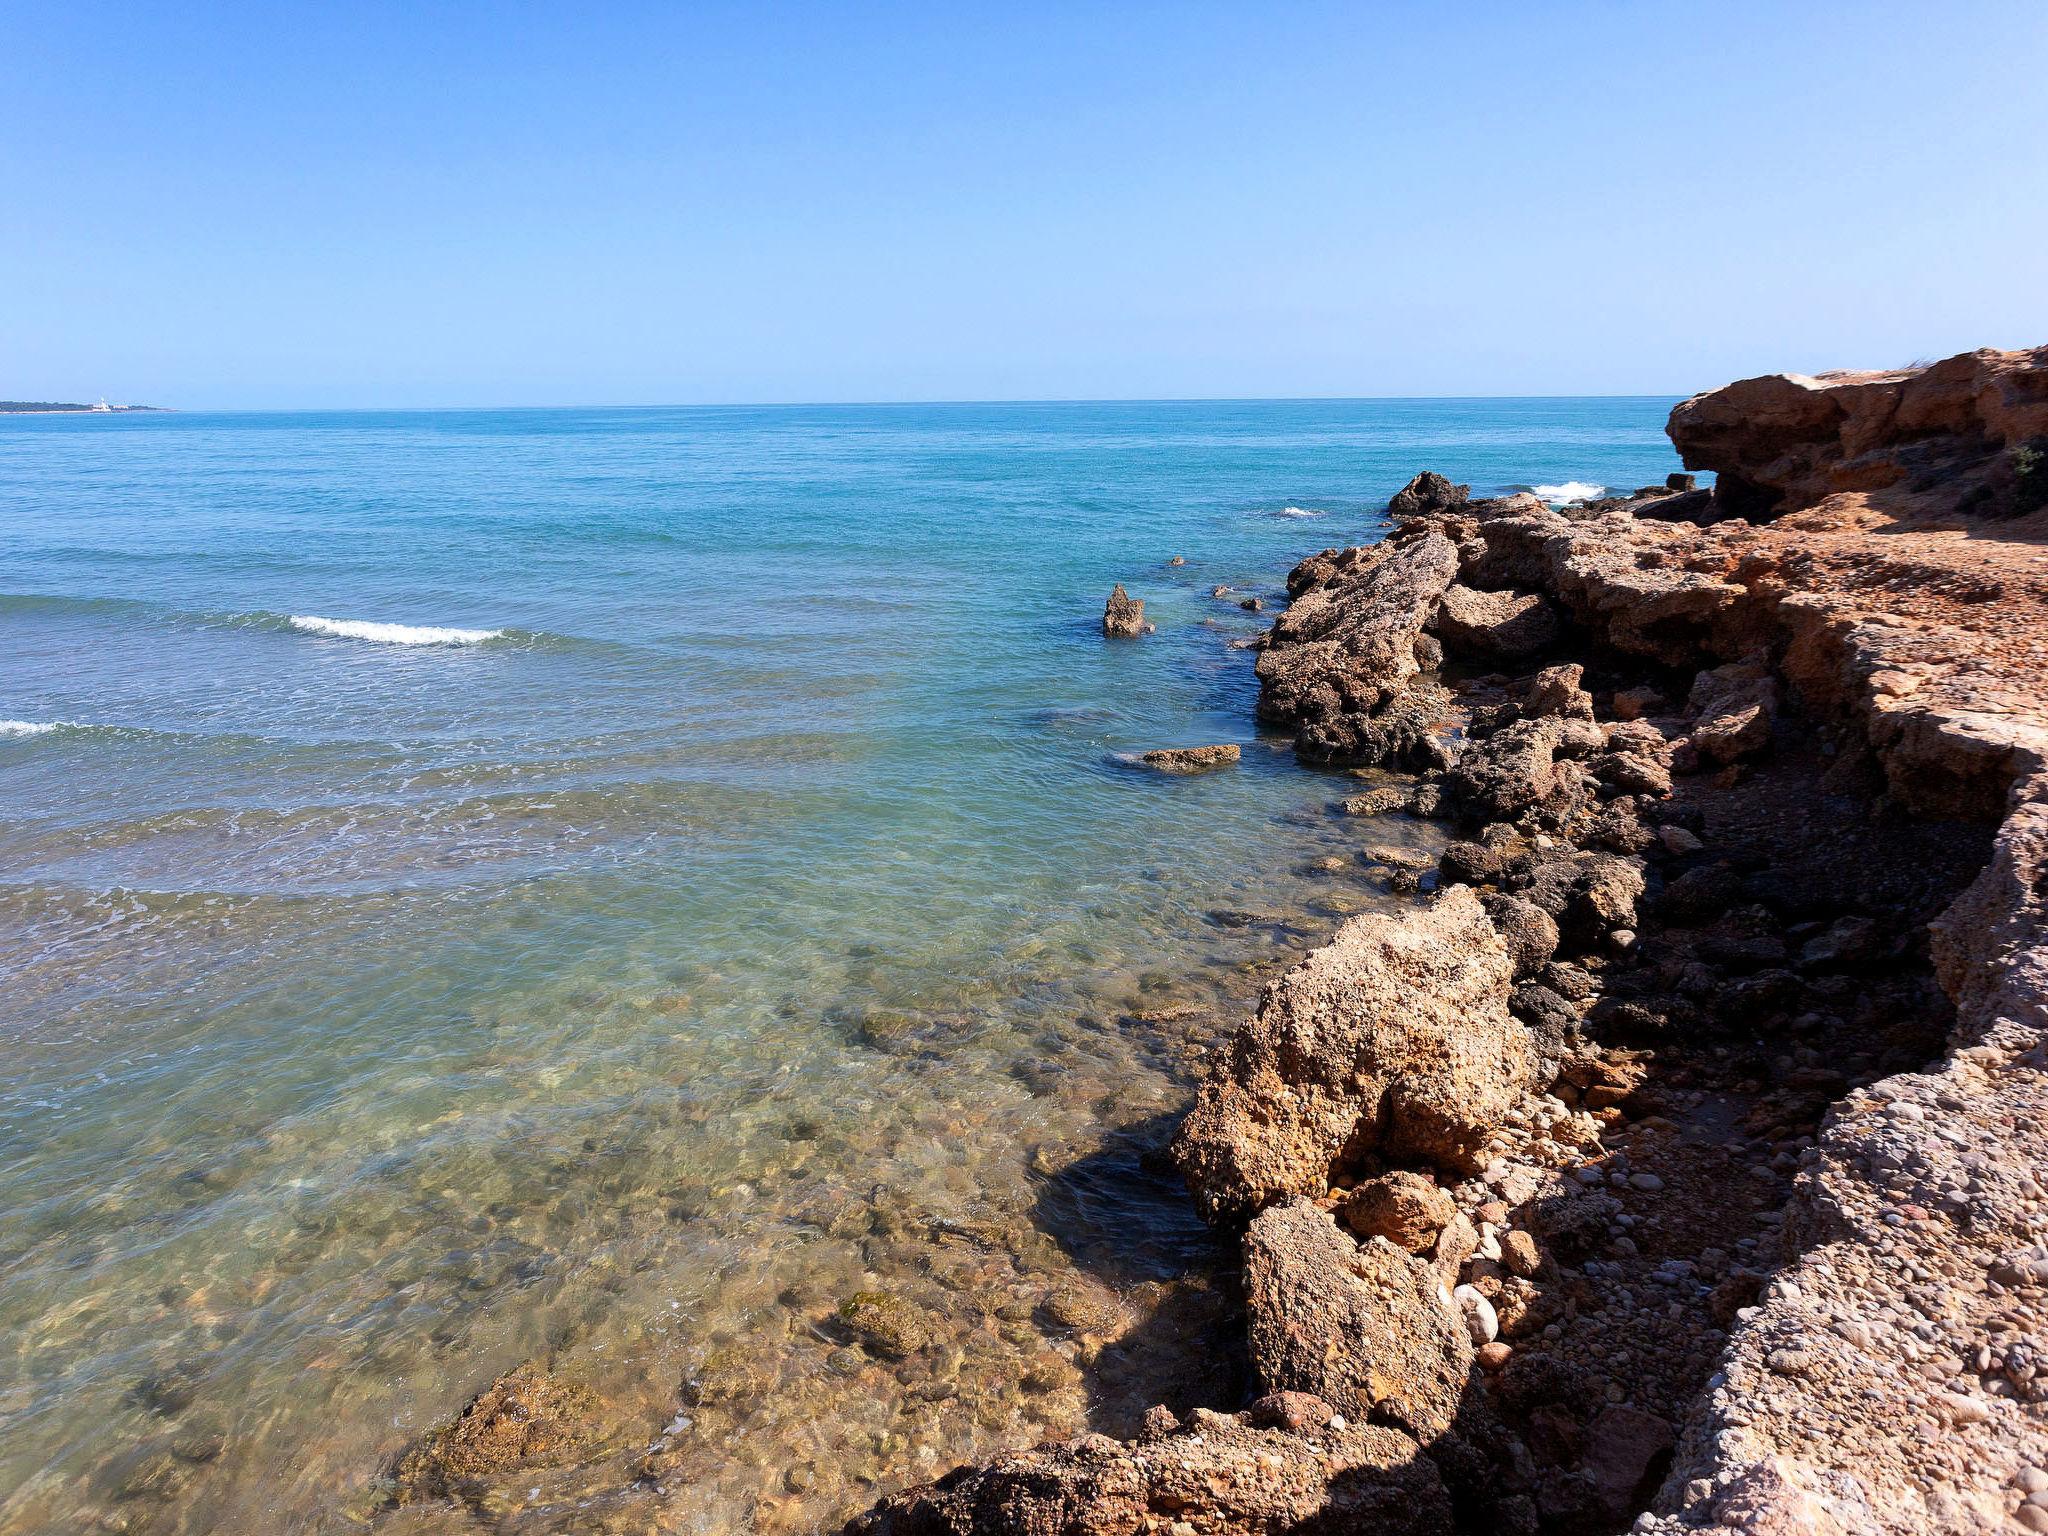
(1615, 1184)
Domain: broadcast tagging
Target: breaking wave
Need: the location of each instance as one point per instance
(391, 634)
(1571, 490)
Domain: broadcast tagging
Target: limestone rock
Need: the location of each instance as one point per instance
(1556, 691)
(1395, 1035)
(1734, 705)
(1364, 1327)
(1785, 441)
(1346, 649)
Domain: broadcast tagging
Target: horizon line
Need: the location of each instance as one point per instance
(754, 405)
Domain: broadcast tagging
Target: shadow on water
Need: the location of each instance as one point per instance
(1122, 1215)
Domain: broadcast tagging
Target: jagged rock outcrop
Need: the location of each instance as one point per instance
(1395, 1037)
(1340, 661)
(1785, 441)
(1427, 492)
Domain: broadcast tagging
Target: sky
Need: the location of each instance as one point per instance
(263, 206)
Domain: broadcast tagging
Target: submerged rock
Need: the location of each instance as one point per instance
(526, 1418)
(885, 1325)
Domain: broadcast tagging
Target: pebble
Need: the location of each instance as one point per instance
(1646, 1181)
(1480, 1319)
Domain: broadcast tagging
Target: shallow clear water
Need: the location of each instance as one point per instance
(723, 894)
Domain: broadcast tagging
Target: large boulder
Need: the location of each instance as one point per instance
(1395, 1037)
(1367, 1328)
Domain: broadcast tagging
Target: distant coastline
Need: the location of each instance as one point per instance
(62, 408)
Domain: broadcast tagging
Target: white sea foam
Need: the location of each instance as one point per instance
(28, 727)
(1571, 490)
(1301, 512)
(391, 634)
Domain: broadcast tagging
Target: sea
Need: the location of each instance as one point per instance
(618, 891)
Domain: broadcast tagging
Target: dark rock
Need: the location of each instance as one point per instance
(1427, 492)
(1509, 773)
(1529, 932)
(1851, 942)
(1625, 1456)
(1700, 895)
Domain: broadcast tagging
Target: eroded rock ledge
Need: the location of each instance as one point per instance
(1544, 1228)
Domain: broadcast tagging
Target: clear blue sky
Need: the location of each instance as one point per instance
(418, 204)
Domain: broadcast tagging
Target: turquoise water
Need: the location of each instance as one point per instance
(724, 890)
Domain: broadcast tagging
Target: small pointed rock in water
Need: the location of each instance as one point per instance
(1123, 615)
